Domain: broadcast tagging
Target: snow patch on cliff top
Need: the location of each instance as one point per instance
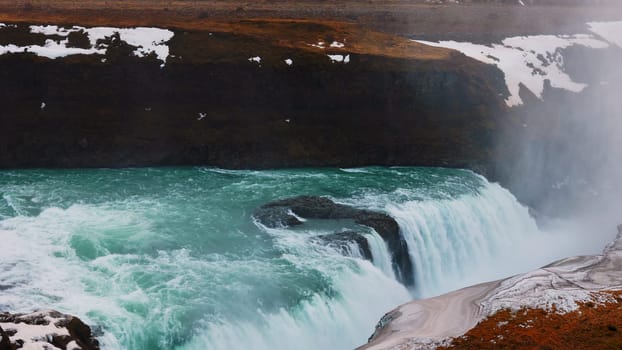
(255, 59)
(319, 45)
(146, 40)
(528, 60)
(52, 49)
(52, 30)
(339, 58)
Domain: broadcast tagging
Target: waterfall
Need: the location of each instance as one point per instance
(380, 253)
(456, 242)
(183, 266)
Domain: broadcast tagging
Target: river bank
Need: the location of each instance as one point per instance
(559, 288)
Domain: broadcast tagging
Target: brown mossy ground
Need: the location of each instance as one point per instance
(479, 20)
(299, 34)
(592, 326)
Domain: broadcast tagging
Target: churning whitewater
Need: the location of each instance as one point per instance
(172, 258)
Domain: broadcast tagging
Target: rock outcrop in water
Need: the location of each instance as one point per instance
(45, 330)
(559, 288)
(342, 241)
(286, 212)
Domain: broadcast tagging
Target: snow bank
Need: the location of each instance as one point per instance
(35, 336)
(339, 58)
(528, 60)
(256, 59)
(319, 45)
(47, 330)
(146, 40)
(52, 49)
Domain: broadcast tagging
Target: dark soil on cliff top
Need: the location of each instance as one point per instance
(419, 18)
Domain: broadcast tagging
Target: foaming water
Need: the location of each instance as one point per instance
(320, 322)
(456, 242)
(482, 236)
(336, 317)
(171, 258)
(380, 253)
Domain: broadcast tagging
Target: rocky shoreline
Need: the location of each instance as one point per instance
(558, 288)
(48, 329)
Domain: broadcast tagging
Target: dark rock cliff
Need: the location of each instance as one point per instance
(210, 105)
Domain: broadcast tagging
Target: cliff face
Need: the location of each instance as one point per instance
(241, 92)
(377, 100)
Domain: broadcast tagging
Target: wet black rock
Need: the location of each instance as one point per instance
(281, 212)
(274, 217)
(309, 207)
(342, 241)
(389, 230)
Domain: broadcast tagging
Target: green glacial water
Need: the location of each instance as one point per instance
(171, 258)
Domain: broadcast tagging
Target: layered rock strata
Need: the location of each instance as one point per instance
(241, 94)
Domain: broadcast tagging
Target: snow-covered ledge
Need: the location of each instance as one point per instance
(146, 41)
(45, 330)
(428, 323)
(530, 61)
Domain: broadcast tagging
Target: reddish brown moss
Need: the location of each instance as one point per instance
(286, 33)
(591, 326)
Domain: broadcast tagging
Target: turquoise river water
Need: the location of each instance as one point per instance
(171, 258)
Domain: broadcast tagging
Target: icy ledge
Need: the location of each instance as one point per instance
(532, 60)
(45, 330)
(428, 323)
